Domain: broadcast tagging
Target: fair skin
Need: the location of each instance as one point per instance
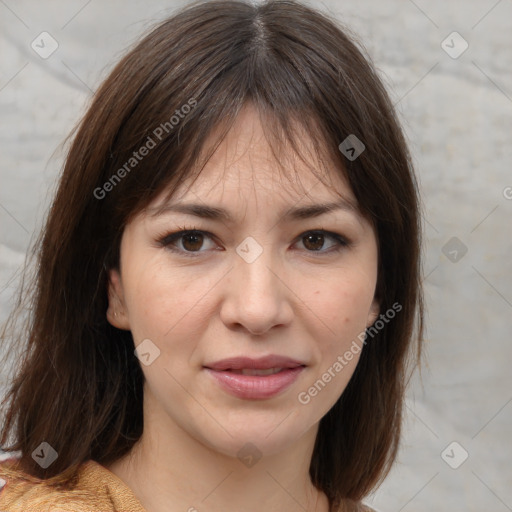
(300, 298)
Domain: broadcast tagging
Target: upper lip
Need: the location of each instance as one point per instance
(261, 363)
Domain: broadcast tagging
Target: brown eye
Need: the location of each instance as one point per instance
(192, 242)
(323, 242)
(189, 242)
(313, 241)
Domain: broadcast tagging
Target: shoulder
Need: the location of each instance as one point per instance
(97, 489)
(20, 492)
(355, 506)
(366, 508)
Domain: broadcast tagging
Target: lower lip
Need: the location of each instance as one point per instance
(256, 387)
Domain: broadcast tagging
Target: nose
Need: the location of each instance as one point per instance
(257, 296)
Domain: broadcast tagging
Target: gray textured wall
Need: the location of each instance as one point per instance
(457, 113)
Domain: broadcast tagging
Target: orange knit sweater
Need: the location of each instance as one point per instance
(97, 490)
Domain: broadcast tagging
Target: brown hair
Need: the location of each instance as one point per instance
(301, 70)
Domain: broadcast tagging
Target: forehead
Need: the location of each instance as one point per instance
(246, 162)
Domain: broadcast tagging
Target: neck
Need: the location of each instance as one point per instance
(169, 470)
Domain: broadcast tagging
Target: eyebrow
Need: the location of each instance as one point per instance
(221, 214)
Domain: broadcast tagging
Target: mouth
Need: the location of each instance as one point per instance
(255, 379)
(270, 362)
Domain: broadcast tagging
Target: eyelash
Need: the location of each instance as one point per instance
(168, 239)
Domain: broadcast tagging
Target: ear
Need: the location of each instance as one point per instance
(374, 312)
(116, 311)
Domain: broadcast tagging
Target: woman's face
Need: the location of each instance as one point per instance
(267, 278)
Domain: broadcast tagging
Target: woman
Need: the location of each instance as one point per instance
(228, 280)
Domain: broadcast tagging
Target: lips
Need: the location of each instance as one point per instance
(252, 379)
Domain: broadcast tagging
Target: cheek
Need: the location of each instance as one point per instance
(340, 310)
(343, 305)
(149, 299)
(165, 304)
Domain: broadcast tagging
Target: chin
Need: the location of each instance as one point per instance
(258, 433)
